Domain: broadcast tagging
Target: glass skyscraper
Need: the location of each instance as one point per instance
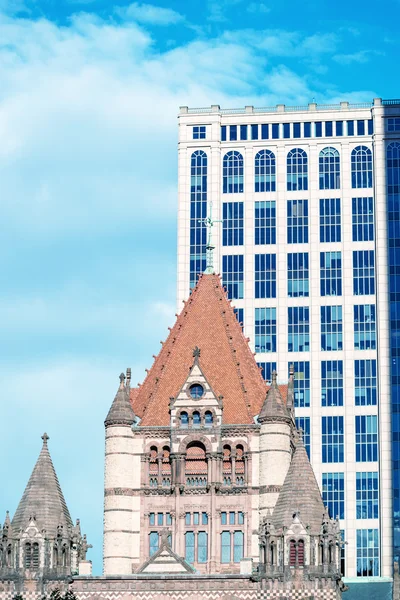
(307, 241)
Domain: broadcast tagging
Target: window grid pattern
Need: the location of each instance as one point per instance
(233, 275)
(331, 273)
(332, 439)
(333, 494)
(363, 272)
(367, 552)
(298, 274)
(267, 369)
(297, 170)
(361, 167)
(366, 438)
(232, 173)
(365, 327)
(198, 212)
(393, 124)
(367, 495)
(265, 223)
(329, 220)
(298, 329)
(265, 171)
(265, 275)
(265, 329)
(331, 328)
(239, 312)
(303, 423)
(301, 383)
(232, 224)
(363, 219)
(329, 169)
(332, 382)
(199, 132)
(365, 382)
(297, 221)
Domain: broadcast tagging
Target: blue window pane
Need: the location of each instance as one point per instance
(232, 173)
(243, 132)
(160, 518)
(365, 382)
(363, 272)
(298, 329)
(296, 130)
(364, 327)
(240, 518)
(223, 133)
(329, 220)
(367, 495)
(366, 438)
(265, 275)
(329, 169)
(332, 383)
(275, 131)
(265, 131)
(238, 541)
(224, 518)
(297, 170)
(232, 224)
(361, 127)
(168, 519)
(328, 129)
(188, 518)
(196, 518)
(339, 128)
(233, 275)
(301, 383)
(189, 547)
(303, 423)
(265, 223)
(363, 219)
(298, 274)
(331, 273)
(233, 133)
(297, 221)
(332, 439)
(202, 547)
(152, 519)
(361, 167)
(265, 329)
(350, 127)
(153, 542)
(333, 494)
(199, 132)
(331, 328)
(367, 552)
(198, 212)
(184, 419)
(318, 129)
(239, 312)
(226, 547)
(370, 127)
(254, 132)
(307, 130)
(265, 171)
(286, 130)
(204, 518)
(267, 368)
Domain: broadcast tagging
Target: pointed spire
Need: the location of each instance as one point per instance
(121, 412)
(300, 490)
(42, 497)
(274, 406)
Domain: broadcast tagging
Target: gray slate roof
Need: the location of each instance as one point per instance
(300, 493)
(121, 411)
(274, 405)
(42, 498)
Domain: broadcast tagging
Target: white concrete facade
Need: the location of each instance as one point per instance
(213, 119)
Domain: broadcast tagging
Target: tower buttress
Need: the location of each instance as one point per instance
(275, 447)
(121, 545)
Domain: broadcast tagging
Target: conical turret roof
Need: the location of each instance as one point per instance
(207, 321)
(42, 498)
(273, 406)
(121, 411)
(300, 493)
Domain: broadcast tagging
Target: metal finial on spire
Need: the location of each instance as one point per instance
(196, 352)
(122, 381)
(209, 223)
(45, 437)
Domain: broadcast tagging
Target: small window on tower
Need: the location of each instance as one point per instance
(196, 391)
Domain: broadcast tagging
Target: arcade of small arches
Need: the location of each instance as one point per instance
(195, 466)
(195, 418)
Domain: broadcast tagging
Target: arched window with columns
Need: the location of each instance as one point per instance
(166, 467)
(227, 465)
(153, 466)
(35, 555)
(196, 465)
(240, 475)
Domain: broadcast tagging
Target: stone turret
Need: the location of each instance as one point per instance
(275, 447)
(121, 551)
(41, 544)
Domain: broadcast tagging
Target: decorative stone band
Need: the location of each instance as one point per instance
(121, 492)
(269, 489)
(276, 419)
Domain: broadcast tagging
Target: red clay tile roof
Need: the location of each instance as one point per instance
(209, 322)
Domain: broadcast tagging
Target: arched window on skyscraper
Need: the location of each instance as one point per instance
(361, 167)
(329, 169)
(232, 173)
(297, 170)
(198, 212)
(265, 171)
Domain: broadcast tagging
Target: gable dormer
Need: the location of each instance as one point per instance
(196, 406)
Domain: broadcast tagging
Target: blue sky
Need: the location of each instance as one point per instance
(88, 102)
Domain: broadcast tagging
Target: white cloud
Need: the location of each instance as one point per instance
(258, 7)
(149, 14)
(359, 57)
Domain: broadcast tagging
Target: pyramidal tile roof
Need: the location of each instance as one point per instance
(121, 412)
(274, 404)
(42, 498)
(300, 493)
(209, 322)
